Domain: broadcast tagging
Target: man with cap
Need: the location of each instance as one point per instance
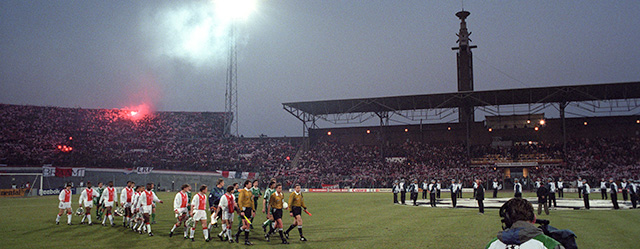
(580, 187)
(603, 189)
(432, 192)
(495, 187)
(403, 191)
(586, 190)
(632, 187)
(425, 188)
(517, 189)
(552, 192)
(623, 186)
(396, 189)
(613, 190)
(560, 188)
(413, 190)
(454, 192)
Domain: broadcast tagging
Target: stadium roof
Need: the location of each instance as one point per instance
(556, 94)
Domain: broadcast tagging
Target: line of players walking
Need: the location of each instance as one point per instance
(546, 192)
(137, 208)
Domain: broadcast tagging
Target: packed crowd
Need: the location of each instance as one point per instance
(31, 135)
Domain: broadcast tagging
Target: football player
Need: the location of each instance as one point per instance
(65, 204)
(199, 212)
(87, 196)
(108, 199)
(145, 205)
(126, 198)
(276, 202)
(226, 207)
(180, 203)
(296, 204)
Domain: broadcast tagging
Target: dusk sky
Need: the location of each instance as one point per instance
(172, 54)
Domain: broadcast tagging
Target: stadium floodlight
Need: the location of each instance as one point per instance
(234, 9)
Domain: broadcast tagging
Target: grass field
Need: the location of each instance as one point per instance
(340, 220)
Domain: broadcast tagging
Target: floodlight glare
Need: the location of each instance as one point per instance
(234, 9)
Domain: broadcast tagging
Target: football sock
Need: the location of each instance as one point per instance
(271, 229)
(224, 229)
(58, 218)
(246, 235)
(186, 230)
(89, 218)
(193, 231)
(173, 228)
(290, 228)
(148, 228)
(281, 234)
(68, 218)
(205, 232)
(83, 218)
(300, 230)
(111, 219)
(229, 234)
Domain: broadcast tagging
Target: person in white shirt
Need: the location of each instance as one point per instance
(226, 208)
(517, 189)
(580, 187)
(495, 187)
(180, 204)
(137, 216)
(87, 196)
(109, 197)
(560, 188)
(425, 187)
(438, 188)
(199, 206)
(586, 190)
(603, 189)
(65, 204)
(126, 200)
(552, 193)
(145, 205)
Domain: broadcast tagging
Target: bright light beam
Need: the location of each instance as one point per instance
(234, 9)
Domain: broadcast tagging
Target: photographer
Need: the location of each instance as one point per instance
(519, 229)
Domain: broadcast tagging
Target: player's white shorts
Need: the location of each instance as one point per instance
(64, 205)
(108, 204)
(88, 204)
(146, 209)
(182, 211)
(126, 205)
(199, 215)
(227, 216)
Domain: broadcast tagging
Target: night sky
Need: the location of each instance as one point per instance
(172, 55)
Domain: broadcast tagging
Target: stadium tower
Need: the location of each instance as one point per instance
(465, 74)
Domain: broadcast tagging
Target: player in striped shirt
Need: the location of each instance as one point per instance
(65, 204)
(180, 204)
(87, 196)
(199, 212)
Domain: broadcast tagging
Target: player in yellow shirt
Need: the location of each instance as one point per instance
(245, 204)
(296, 204)
(275, 205)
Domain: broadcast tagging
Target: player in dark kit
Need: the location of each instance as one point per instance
(276, 202)
(296, 204)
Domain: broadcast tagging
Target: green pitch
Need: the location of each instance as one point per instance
(340, 220)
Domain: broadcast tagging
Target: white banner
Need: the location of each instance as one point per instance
(143, 170)
(79, 172)
(48, 171)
